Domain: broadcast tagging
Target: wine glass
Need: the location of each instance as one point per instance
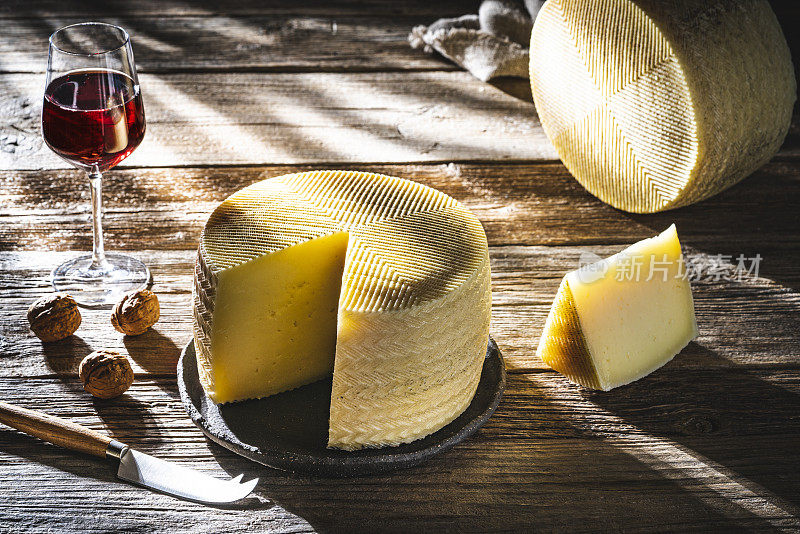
(93, 117)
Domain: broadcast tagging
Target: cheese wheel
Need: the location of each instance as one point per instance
(654, 105)
(381, 281)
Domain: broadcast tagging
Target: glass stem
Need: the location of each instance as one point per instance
(98, 252)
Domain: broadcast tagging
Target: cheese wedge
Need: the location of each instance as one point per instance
(621, 318)
(654, 105)
(383, 282)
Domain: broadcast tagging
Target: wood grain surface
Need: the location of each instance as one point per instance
(239, 91)
(254, 118)
(262, 42)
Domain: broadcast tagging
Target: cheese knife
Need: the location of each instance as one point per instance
(134, 466)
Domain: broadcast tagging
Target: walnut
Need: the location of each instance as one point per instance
(54, 317)
(106, 374)
(136, 312)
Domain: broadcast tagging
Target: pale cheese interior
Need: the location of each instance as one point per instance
(275, 320)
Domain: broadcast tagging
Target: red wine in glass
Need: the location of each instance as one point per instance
(93, 118)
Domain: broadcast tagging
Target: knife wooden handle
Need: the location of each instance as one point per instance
(54, 430)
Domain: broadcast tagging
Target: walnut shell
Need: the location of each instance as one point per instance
(136, 312)
(54, 317)
(106, 374)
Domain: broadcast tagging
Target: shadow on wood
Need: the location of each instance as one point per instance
(154, 352)
(743, 422)
(65, 356)
(127, 418)
(504, 478)
(519, 88)
(749, 218)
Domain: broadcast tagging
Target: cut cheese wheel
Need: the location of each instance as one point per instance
(381, 281)
(654, 105)
(620, 319)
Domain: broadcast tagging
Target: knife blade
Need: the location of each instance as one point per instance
(134, 466)
(177, 480)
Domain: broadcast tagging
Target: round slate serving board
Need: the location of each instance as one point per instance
(289, 431)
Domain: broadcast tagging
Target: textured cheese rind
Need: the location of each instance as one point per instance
(623, 318)
(562, 345)
(383, 396)
(655, 105)
(415, 303)
(203, 296)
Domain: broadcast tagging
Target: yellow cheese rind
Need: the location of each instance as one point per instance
(654, 105)
(622, 318)
(562, 345)
(380, 395)
(413, 309)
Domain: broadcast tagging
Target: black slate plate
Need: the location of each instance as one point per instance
(289, 431)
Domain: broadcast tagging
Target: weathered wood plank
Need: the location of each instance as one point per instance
(239, 43)
(553, 458)
(752, 323)
(91, 10)
(214, 119)
(518, 204)
(330, 118)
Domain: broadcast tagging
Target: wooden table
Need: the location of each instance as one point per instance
(710, 442)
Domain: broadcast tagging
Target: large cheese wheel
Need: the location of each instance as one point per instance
(654, 105)
(383, 282)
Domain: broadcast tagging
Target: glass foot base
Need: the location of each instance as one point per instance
(97, 286)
